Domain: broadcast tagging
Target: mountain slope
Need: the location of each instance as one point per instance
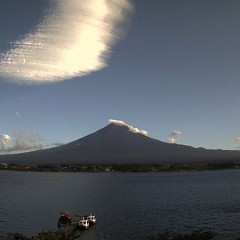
(115, 144)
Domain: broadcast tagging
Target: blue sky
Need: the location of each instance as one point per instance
(166, 66)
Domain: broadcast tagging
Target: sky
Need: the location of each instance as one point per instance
(170, 69)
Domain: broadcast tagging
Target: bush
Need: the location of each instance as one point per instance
(66, 235)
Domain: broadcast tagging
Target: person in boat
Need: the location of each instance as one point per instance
(64, 219)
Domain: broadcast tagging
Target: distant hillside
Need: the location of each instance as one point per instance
(115, 144)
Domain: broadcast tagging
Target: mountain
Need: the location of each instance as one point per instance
(116, 144)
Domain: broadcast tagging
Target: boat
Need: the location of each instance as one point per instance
(71, 222)
(83, 224)
(92, 219)
(64, 222)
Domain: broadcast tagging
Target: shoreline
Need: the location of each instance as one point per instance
(107, 168)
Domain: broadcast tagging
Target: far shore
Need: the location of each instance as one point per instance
(171, 167)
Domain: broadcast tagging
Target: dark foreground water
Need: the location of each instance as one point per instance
(127, 205)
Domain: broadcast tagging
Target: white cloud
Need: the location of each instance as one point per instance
(74, 39)
(131, 128)
(4, 139)
(174, 136)
(20, 141)
(175, 133)
(118, 122)
(172, 140)
(237, 141)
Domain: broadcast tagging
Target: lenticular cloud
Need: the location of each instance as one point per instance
(74, 39)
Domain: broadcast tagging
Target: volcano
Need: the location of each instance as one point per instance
(116, 144)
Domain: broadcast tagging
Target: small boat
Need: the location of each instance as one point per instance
(83, 224)
(92, 219)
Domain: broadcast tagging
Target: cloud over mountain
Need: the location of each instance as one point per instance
(174, 136)
(20, 141)
(131, 128)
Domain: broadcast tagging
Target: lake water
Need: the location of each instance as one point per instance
(127, 205)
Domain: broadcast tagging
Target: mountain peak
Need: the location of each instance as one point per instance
(111, 134)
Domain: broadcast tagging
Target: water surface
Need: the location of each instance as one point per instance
(127, 205)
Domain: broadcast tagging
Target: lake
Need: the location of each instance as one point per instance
(127, 205)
